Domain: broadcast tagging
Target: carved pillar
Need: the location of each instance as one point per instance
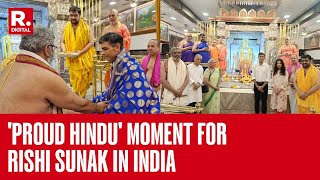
(221, 29)
(271, 38)
(59, 14)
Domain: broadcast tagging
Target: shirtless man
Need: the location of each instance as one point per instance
(30, 85)
(151, 64)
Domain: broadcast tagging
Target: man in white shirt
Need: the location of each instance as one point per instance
(261, 77)
(195, 81)
(174, 79)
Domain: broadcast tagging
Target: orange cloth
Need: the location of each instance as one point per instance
(289, 50)
(124, 32)
(107, 77)
(222, 57)
(214, 53)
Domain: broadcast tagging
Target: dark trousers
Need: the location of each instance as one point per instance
(263, 96)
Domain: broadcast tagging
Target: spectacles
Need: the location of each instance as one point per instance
(53, 46)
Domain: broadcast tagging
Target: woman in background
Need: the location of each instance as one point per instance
(279, 86)
(212, 79)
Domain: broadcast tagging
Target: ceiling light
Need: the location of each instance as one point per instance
(193, 29)
(185, 30)
(133, 4)
(286, 16)
(173, 18)
(205, 14)
(112, 3)
(318, 21)
(304, 32)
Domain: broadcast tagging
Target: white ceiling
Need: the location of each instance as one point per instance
(311, 26)
(294, 8)
(180, 22)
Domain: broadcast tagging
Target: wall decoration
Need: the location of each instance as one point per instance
(127, 18)
(175, 40)
(261, 13)
(164, 31)
(234, 13)
(252, 13)
(243, 13)
(146, 17)
(312, 41)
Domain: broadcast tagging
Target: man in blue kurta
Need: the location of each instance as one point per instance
(129, 91)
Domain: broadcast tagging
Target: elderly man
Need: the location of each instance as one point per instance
(77, 37)
(30, 85)
(261, 77)
(151, 64)
(128, 91)
(195, 81)
(174, 79)
(307, 84)
(118, 27)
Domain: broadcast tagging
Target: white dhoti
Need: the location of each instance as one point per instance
(293, 101)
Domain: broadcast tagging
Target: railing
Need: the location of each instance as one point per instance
(173, 109)
(99, 65)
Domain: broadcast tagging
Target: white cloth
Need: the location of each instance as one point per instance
(261, 73)
(293, 101)
(195, 75)
(29, 53)
(176, 76)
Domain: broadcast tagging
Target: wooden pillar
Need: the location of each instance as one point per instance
(158, 19)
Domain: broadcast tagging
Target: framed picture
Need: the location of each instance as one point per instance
(123, 18)
(146, 17)
(175, 40)
(127, 18)
(130, 21)
(164, 31)
(312, 41)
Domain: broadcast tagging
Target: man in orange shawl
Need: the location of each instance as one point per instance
(120, 28)
(286, 51)
(307, 84)
(77, 37)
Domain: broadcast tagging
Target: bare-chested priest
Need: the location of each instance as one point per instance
(30, 85)
(151, 64)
